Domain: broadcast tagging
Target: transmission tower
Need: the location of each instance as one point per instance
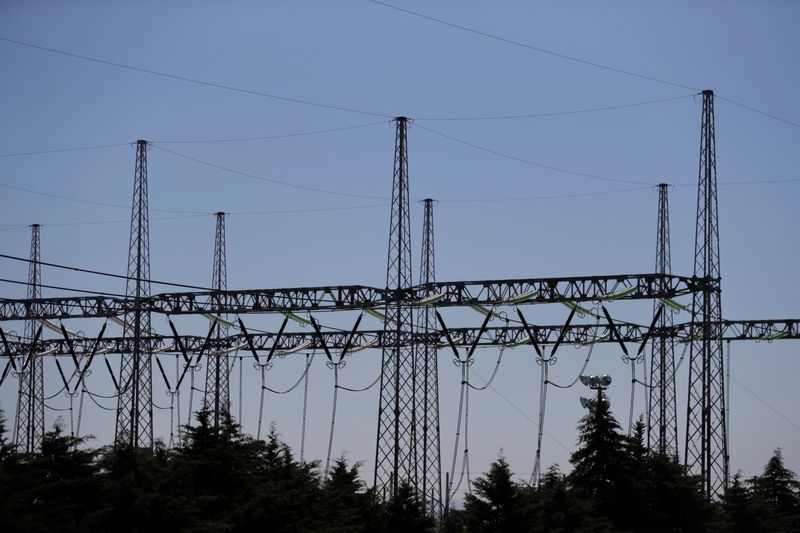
(30, 405)
(662, 420)
(217, 394)
(395, 454)
(135, 406)
(706, 430)
(430, 469)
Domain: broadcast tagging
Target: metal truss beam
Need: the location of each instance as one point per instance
(358, 297)
(507, 335)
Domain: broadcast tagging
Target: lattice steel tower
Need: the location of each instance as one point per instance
(706, 430)
(428, 437)
(217, 395)
(662, 420)
(395, 454)
(30, 405)
(135, 405)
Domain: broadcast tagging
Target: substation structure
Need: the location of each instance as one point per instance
(408, 439)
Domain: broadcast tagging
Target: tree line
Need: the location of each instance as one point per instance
(220, 479)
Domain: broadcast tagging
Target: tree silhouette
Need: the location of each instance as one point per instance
(496, 504)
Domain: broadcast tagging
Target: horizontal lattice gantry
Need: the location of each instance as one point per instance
(358, 297)
(509, 336)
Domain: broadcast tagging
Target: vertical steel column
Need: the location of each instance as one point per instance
(430, 469)
(396, 440)
(662, 420)
(30, 407)
(217, 393)
(706, 434)
(135, 405)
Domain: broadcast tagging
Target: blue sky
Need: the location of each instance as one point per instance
(363, 56)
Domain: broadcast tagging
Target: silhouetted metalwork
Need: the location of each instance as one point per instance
(360, 297)
(429, 440)
(395, 454)
(217, 392)
(135, 406)
(510, 335)
(662, 420)
(30, 404)
(706, 430)
(407, 443)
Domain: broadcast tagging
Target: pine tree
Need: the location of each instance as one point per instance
(496, 505)
(600, 462)
(778, 489)
(405, 512)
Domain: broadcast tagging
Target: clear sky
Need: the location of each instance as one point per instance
(366, 57)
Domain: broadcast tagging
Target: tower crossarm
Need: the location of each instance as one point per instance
(359, 297)
(510, 336)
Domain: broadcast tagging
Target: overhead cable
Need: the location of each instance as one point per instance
(192, 80)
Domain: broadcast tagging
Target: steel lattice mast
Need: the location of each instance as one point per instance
(395, 454)
(706, 430)
(430, 467)
(30, 407)
(662, 420)
(135, 406)
(217, 393)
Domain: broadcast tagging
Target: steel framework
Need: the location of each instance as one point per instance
(360, 297)
(217, 391)
(395, 453)
(706, 429)
(407, 429)
(29, 423)
(135, 406)
(430, 481)
(662, 420)
(510, 335)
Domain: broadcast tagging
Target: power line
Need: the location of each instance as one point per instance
(270, 180)
(550, 197)
(311, 210)
(754, 110)
(764, 402)
(559, 113)
(528, 161)
(15, 282)
(58, 150)
(280, 136)
(534, 48)
(101, 273)
(202, 141)
(93, 202)
(97, 222)
(573, 58)
(192, 80)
